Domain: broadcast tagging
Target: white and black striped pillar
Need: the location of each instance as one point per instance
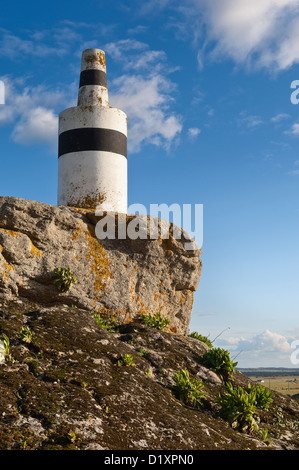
(92, 150)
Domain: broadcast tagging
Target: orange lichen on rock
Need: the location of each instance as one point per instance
(7, 267)
(35, 251)
(76, 232)
(98, 260)
(11, 232)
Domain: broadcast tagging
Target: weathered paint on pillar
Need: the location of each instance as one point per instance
(92, 163)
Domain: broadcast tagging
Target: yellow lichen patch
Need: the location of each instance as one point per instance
(11, 232)
(35, 251)
(6, 266)
(76, 232)
(99, 262)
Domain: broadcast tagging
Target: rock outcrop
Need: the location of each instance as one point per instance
(68, 380)
(120, 277)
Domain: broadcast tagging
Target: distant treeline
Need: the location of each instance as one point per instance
(268, 372)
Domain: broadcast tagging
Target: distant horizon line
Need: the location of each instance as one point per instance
(267, 368)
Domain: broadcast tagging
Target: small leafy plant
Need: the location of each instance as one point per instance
(6, 346)
(218, 359)
(64, 279)
(202, 338)
(263, 396)
(188, 390)
(109, 324)
(26, 334)
(126, 360)
(155, 321)
(238, 408)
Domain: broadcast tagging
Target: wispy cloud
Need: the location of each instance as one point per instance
(43, 43)
(295, 170)
(250, 121)
(279, 117)
(136, 56)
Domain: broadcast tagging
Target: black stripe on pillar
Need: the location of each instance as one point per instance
(93, 77)
(92, 138)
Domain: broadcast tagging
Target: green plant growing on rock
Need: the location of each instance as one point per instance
(263, 396)
(6, 346)
(188, 390)
(108, 324)
(26, 334)
(218, 359)
(238, 408)
(202, 338)
(155, 321)
(126, 360)
(64, 279)
(72, 436)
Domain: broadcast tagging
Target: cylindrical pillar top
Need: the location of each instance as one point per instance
(93, 79)
(93, 59)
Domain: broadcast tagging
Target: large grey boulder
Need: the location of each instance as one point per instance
(120, 277)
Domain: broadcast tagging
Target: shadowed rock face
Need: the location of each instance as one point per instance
(65, 388)
(123, 278)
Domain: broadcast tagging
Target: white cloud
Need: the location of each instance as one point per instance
(263, 33)
(145, 93)
(294, 129)
(146, 103)
(31, 112)
(266, 342)
(265, 349)
(193, 132)
(38, 125)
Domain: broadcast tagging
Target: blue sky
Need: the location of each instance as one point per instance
(206, 85)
